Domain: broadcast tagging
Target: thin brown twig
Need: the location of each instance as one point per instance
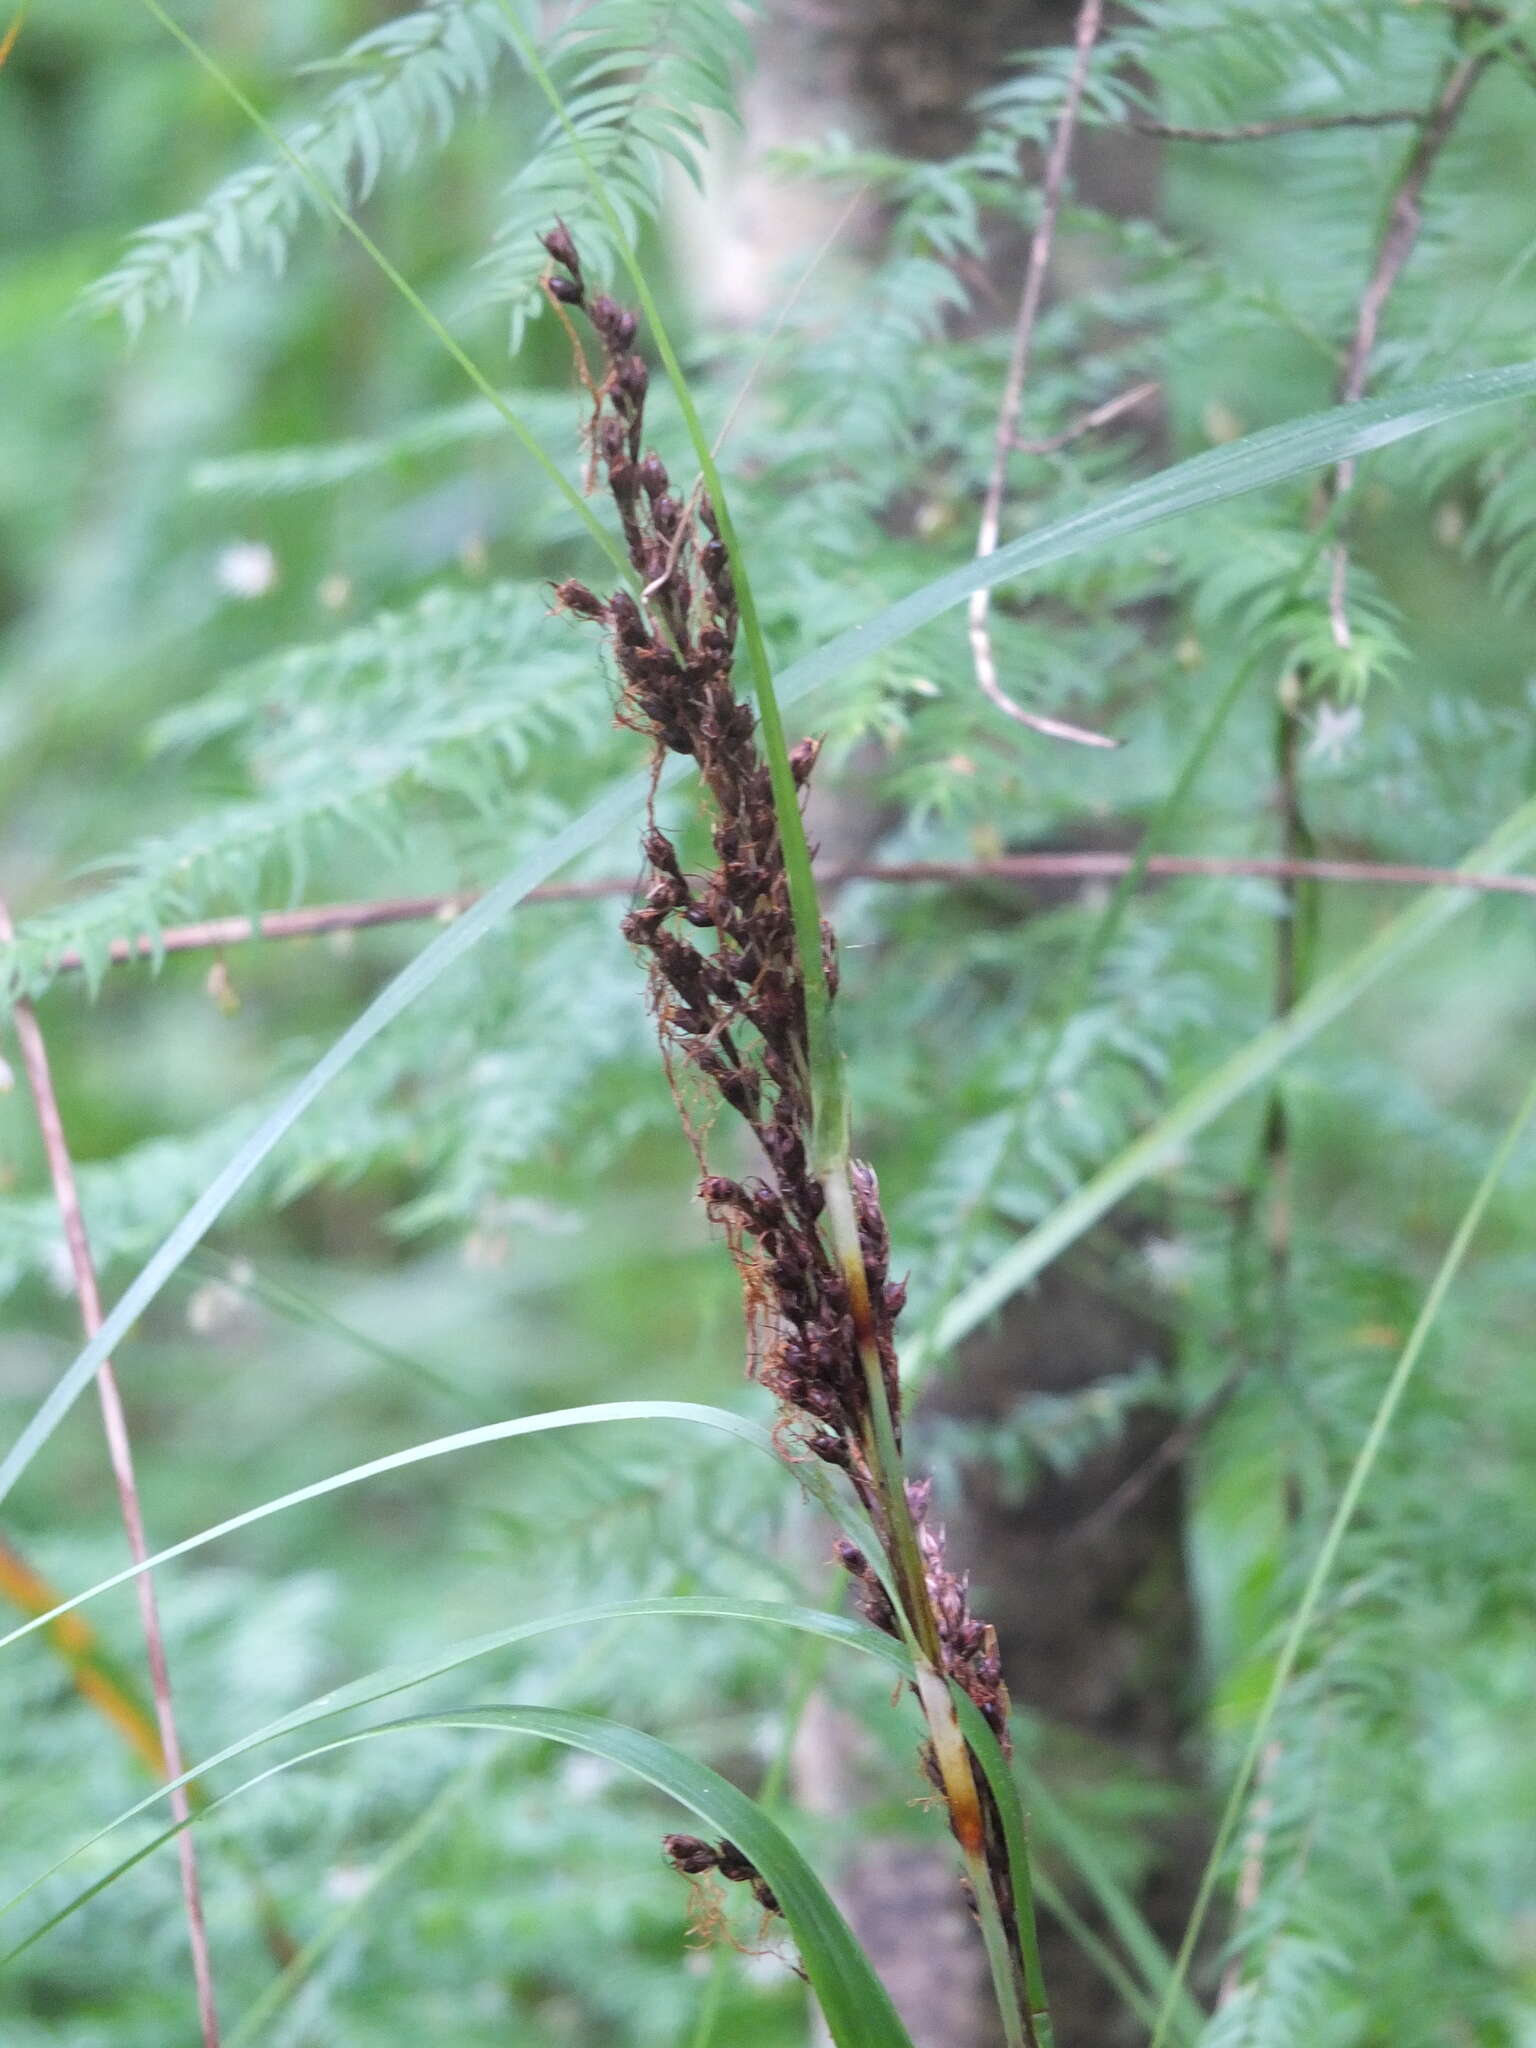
(316, 920)
(34, 1056)
(1100, 416)
(1292, 124)
(1292, 960)
(1399, 237)
(1089, 19)
(1398, 240)
(1404, 219)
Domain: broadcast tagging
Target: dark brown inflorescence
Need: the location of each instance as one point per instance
(686, 1853)
(726, 981)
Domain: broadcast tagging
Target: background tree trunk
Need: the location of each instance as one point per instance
(1097, 1632)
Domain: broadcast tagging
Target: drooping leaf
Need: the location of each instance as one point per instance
(737, 1426)
(858, 2012)
(1141, 1944)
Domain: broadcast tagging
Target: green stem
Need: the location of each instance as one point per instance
(1018, 2022)
(829, 1097)
(830, 1123)
(956, 1762)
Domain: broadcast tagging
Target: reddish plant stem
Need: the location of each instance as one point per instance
(1293, 933)
(1089, 19)
(1404, 220)
(318, 919)
(34, 1058)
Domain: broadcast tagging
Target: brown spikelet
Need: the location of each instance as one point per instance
(729, 1000)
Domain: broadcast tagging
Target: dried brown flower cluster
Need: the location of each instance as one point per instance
(729, 994)
(695, 1859)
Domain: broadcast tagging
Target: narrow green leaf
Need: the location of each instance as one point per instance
(1103, 1958)
(1119, 1909)
(1245, 465)
(1326, 1001)
(1249, 464)
(985, 1745)
(390, 1679)
(848, 1516)
(853, 2000)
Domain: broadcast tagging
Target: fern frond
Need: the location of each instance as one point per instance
(1216, 59)
(1040, 1433)
(288, 472)
(451, 697)
(405, 85)
(638, 78)
(458, 1102)
(1288, 2003)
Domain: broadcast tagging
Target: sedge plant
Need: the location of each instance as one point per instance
(447, 726)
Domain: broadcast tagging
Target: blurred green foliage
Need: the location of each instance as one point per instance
(275, 618)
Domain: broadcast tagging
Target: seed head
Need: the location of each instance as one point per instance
(572, 596)
(560, 246)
